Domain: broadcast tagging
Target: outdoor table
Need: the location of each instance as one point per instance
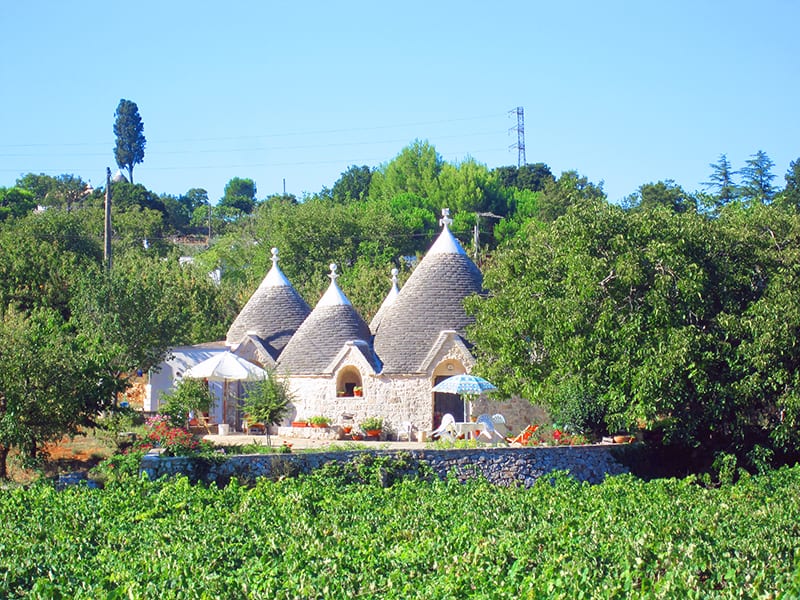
(467, 429)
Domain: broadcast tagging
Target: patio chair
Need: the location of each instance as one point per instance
(500, 424)
(405, 430)
(524, 437)
(445, 429)
(487, 428)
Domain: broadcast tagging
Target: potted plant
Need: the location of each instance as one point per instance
(358, 391)
(319, 421)
(300, 423)
(372, 426)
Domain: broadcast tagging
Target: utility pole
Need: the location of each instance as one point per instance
(476, 233)
(208, 239)
(520, 129)
(107, 237)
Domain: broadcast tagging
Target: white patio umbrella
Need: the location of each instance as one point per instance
(464, 384)
(225, 367)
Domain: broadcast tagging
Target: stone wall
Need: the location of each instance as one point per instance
(397, 399)
(502, 466)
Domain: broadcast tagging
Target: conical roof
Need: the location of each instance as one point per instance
(431, 301)
(273, 313)
(387, 302)
(331, 324)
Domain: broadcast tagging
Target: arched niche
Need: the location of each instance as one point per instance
(348, 382)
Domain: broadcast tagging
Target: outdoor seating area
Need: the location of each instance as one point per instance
(484, 428)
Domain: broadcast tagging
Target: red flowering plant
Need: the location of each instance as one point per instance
(175, 441)
(549, 435)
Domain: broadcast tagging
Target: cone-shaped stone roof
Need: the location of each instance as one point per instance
(273, 313)
(431, 301)
(331, 324)
(387, 302)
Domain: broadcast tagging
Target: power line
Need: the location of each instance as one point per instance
(259, 136)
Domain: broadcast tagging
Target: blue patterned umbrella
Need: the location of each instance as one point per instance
(464, 384)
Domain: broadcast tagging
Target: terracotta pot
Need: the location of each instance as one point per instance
(299, 424)
(373, 432)
(319, 425)
(357, 436)
(358, 393)
(347, 430)
(622, 439)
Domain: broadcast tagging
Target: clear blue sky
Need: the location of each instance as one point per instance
(625, 93)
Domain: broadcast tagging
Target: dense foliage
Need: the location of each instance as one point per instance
(321, 537)
(674, 310)
(652, 316)
(71, 332)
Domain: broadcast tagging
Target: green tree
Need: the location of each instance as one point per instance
(650, 316)
(129, 130)
(189, 397)
(39, 185)
(267, 401)
(41, 273)
(721, 183)
(757, 178)
(663, 193)
(50, 383)
(791, 193)
(15, 202)
(240, 194)
(67, 191)
(415, 170)
(531, 177)
(353, 184)
(570, 188)
(144, 306)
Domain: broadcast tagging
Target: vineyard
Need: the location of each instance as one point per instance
(330, 535)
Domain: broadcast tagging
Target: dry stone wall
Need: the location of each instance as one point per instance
(501, 466)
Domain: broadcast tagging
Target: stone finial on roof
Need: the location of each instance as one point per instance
(445, 221)
(446, 243)
(334, 294)
(387, 302)
(275, 277)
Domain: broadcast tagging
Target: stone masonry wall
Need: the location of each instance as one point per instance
(501, 466)
(398, 399)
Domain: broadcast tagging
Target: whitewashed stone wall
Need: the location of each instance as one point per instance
(396, 400)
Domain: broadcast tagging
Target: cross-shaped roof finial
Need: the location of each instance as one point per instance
(445, 220)
(334, 275)
(274, 257)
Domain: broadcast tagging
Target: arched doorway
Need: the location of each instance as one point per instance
(447, 403)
